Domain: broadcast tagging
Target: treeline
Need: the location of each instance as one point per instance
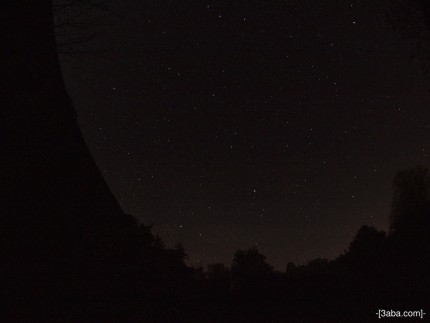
(126, 273)
(378, 270)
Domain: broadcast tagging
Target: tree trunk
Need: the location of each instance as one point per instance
(61, 228)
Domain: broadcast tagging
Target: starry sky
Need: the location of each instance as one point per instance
(229, 124)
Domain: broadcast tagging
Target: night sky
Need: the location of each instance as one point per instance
(230, 124)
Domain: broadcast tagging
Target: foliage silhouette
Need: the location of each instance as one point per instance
(69, 253)
(411, 20)
(411, 202)
(249, 263)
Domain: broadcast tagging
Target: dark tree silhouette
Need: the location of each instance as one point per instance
(63, 233)
(148, 239)
(291, 268)
(368, 245)
(410, 214)
(218, 277)
(217, 271)
(410, 234)
(251, 280)
(411, 20)
(77, 23)
(69, 253)
(249, 263)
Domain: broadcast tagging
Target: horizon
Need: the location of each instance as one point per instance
(227, 126)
